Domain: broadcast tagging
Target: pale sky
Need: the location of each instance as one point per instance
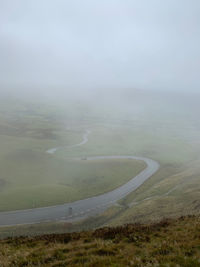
(92, 45)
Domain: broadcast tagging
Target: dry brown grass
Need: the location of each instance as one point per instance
(167, 243)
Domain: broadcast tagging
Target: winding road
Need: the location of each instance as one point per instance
(83, 142)
(81, 209)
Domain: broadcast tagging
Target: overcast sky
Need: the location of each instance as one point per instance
(95, 44)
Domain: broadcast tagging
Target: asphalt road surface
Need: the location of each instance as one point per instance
(84, 208)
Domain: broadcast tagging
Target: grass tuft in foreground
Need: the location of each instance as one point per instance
(167, 243)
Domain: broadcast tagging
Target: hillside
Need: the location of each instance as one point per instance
(174, 242)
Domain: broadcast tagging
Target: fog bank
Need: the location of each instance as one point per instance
(87, 47)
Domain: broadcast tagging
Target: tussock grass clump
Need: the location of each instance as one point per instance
(174, 242)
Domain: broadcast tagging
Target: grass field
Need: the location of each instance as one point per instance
(48, 181)
(31, 178)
